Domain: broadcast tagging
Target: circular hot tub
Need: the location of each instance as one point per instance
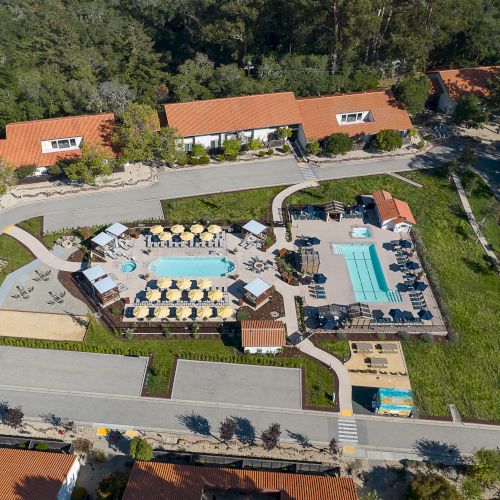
(128, 266)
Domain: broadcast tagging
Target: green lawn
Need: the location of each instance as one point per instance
(33, 226)
(465, 372)
(14, 253)
(228, 207)
(339, 348)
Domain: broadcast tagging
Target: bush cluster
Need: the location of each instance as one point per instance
(286, 148)
(25, 171)
(246, 360)
(202, 160)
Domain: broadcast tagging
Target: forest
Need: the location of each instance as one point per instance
(62, 57)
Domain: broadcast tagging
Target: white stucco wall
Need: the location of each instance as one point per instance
(301, 136)
(69, 484)
(263, 350)
(446, 104)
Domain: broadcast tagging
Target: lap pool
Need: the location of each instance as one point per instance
(178, 267)
(367, 278)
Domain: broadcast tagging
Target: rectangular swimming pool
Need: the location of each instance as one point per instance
(361, 232)
(367, 278)
(191, 267)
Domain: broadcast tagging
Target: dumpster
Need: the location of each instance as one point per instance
(394, 402)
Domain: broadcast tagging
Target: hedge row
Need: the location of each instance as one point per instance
(247, 360)
(67, 346)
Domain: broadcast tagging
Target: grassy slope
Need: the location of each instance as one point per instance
(16, 255)
(339, 348)
(463, 372)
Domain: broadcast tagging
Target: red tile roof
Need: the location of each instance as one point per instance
(32, 475)
(187, 482)
(233, 113)
(262, 333)
(22, 145)
(319, 114)
(391, 208)
(465, 80)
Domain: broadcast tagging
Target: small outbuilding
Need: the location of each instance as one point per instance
(256, 292)
(262, 336)
(101, 285)
(116, 230)
(334, 210)
(254, 227)
(102, 243)
(391, 213)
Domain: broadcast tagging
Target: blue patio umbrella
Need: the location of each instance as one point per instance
(419, 285)
(320, 278)
(425, 314)
(397, 314)
(314, 241)
(412, 265)
(405, 243)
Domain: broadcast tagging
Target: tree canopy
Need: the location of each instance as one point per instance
(94, 162)
(388, 140)
(413, 92)
(470, 111)
(140, 449)
(338, 144)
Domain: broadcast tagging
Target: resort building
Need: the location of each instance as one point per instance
(359, 115)
(256, 292)
(453, 83)
(44, 142)
(262, 336)
(392, 213)
(189, 482)
(213, 121)
(33, 475)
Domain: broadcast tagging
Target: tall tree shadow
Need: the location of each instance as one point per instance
(196, 423)
(245, 430)
(438, 451)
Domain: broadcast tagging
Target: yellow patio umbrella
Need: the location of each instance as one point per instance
(204, 283)
(183, 284)
(195, 295)
(183, 312)
(164, 283)
(186, 236)
(173, 294)
(162, 312)
(165, 236)
(215, 295)
(225, 312)
(214, 229)
(156, 229)
(140, 312)
(204, 312)
(177, 228)
(206, 236)
(196, 228)
(153, 295)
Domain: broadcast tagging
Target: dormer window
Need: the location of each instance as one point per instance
(354, 117)
(62, 144)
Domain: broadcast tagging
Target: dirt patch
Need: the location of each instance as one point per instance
(273, 309)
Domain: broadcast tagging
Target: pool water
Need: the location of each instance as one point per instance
(178, 267)
(361, 232)
(128, 266)
(367, 278)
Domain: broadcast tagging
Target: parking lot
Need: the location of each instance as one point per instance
(238, 384)
(71, 371)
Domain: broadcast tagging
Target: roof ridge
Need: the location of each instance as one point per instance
(342, 94)
(460, 69)
(56, 118)
(230, 98)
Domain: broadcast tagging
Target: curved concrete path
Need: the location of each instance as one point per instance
(40, 251)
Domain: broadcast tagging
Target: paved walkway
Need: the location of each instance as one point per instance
(405, 179)
(39, 250)
(472, 219)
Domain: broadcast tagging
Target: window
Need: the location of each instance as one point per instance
(214, 144)
(188, 147)
(63, 143)
(357, 117)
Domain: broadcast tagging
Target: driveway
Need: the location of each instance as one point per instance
(76, 372)
(238, 384)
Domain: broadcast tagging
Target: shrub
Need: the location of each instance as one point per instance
(286, 148)
(472, 489)
(55, 170)
(420, 145)
(271, 436)
(232, 147)
(41, 446)
(140, 449)
(204, 160)
(193, 160)
(412, 132)
(313, 148)
(388, 140)
(111, 487)
(262, 154)
(227, 429)
(82, 445)
(431, 486)
(183, 160)
(427, 338)
(25, 171)
(242, 314)
(486, 466)
(230, 156)
(284, 132)
(338, 144)
(254, 144)
(270, 152)
(98, 456)
(198, 150)
(452, 336)
(220, 157)
(403, 335)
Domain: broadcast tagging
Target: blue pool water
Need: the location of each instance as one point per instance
(178, 267)
(128, 266)
(365, 271)
(361, 232)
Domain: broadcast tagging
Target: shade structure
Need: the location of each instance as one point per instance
(165, 236)
(195, 295)
(153, 295)
(140, 312)
(204, 312)
(425, 314)
(177, 228)
(156, 229)
(224, 312)
(397, 314)
(420, 286)
(320, 278)
(173, 294)
(183, 284)
(214, 229)
(187, 236)
(162, 312)
(215, 295)
(412, 265)
(204, 283)
(405, 243)
(164, 283)
(183, 312)
(196, 228)
(206, 236)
